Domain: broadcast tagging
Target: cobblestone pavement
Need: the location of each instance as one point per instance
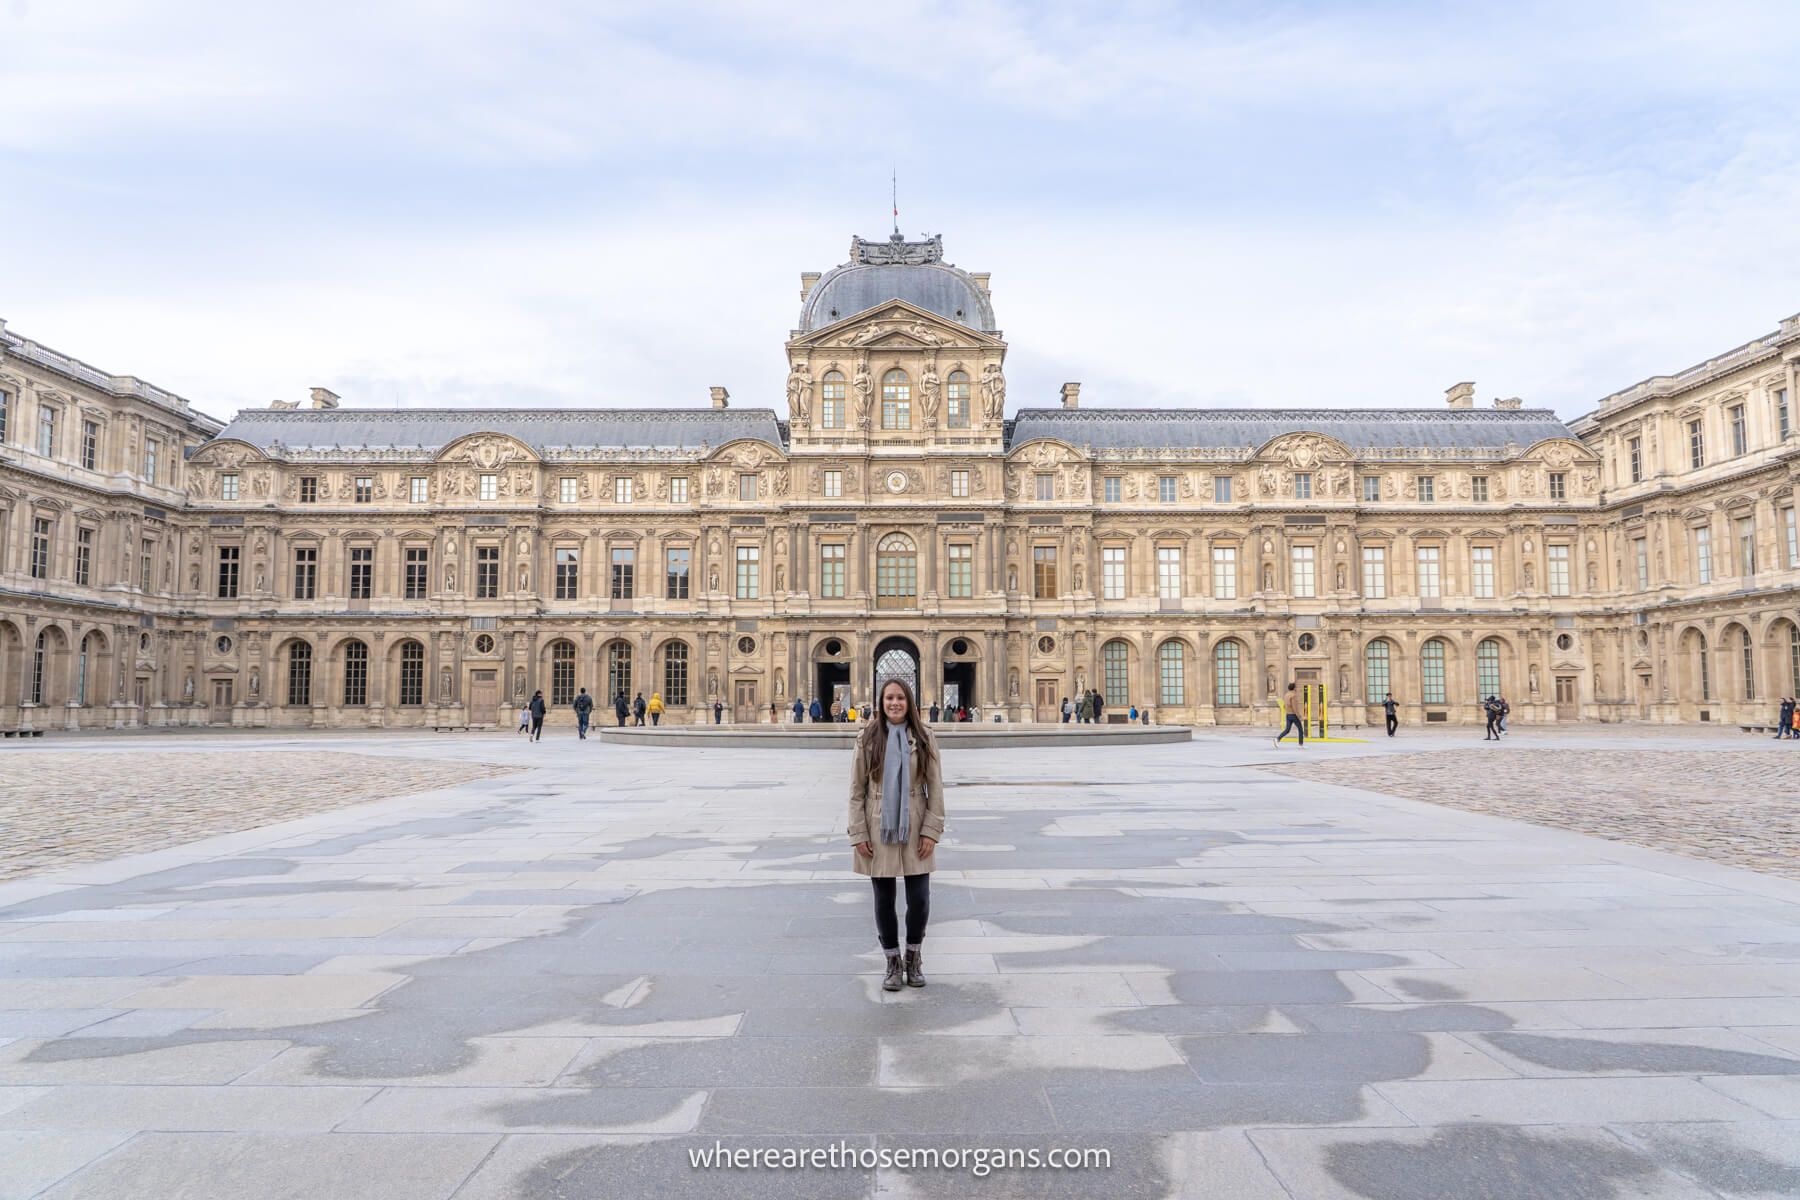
(1736, 806)
(97, 802)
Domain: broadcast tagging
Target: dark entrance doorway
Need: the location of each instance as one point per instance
(896, 658)
(831, 675)
(959, 684)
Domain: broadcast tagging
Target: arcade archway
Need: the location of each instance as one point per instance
(896, 658)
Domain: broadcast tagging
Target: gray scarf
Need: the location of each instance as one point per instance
(893, 786)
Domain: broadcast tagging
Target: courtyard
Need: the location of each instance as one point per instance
(471, 966)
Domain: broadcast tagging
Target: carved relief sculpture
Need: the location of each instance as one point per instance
(799, 394)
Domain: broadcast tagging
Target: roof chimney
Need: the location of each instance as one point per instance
(808, 281)
(721, 398)
(1071, 395)
(1461, 395)
(1509, 402)
(324, 398)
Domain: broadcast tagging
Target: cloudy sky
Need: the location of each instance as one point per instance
(610, 204)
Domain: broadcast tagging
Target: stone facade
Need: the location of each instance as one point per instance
(329, 566)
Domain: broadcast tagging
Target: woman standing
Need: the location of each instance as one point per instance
(897, 795)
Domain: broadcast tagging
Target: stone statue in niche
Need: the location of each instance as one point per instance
(524, 577)
(1012, 578)
(712, 683)
(259, 577)
(1078, 580)
(1340, 576)
(1343, 683)
(444, 684)
(1530, 576)
(1268, 578)
(1080, 682)
(255, 683)
(1534, 679)
(1269, 683)
(1593, 578)
(993, 393)
(712, 580)
(519, 683)
(863, 385)
(928, 395)
(194, 578)
(780, 577)
(450, 580)
(799, 393)
(1012, 685)
(187, 685)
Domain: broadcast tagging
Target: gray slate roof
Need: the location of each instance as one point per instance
(934, 287)
(1369, 430)
(431, 429)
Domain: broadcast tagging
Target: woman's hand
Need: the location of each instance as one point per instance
(926, 846)
(866, 850)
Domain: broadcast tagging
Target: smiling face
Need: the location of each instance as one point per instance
(893, 701)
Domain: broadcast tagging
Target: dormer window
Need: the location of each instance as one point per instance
(831, 400)
(956, 397)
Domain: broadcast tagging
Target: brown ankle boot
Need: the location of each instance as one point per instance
(915, 968)
(891, 983)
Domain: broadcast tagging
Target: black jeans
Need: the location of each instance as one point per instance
(1493, 729)
(1393, 724)
(918, 910)
(1297, 725)
(537, 728)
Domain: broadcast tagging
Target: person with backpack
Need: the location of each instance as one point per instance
(1505, 711)
(538, 709)
(637, 709)
(584, 707)
(621, 708)
(1785, 717)
(1491, 706)
(816, 711)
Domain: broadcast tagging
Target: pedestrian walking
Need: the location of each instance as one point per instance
(656, 708)
(1505, 711)
(1131, 717)
(584, 707)
(1393, 713)
(799, 710)
(621, 709)
(525, 718)
(1794, 727)
(1289, 709)
(538, 708)
(896, 821)
(718, 711)
(638, 708)
(1492, 707)
(1786, 718)
(1099, 707)
(815, 710)
(1066, 709)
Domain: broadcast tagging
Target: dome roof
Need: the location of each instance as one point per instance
(897, 270)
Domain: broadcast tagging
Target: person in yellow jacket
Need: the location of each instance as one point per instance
(655, 708)
(853, 714)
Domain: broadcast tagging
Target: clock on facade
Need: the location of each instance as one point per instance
(896, 481)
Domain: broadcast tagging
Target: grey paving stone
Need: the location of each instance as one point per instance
(851, 1111)
(195, 1108)
(34, 1161)
(562, 1167)
(1643, 1052)
(1563, 1101)
(721, 1062)
(621, 1110)
(1774, 1095)
(1104, 1107)
(1737, 1159)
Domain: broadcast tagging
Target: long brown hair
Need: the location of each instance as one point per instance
(872, 742)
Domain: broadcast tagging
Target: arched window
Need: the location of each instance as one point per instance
(1431, 672)
(1227, 664)
(1749, 650)
(618, 670)
(1171, 667)
(896, 400)
(956, 400)
(675, 673)
(1115, 665)
(82, 660)
(1378, 670)
(1794, 659)
(39, 665)
(1487, 668)
(412, 674)
(896, 572)
(299, 689)
(356, 673)
(831, 408)
(1705, 667)
(562, 673)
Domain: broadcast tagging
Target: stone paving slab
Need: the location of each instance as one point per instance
(565, 978)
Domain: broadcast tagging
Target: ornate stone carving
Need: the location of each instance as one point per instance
(799, 393)
(896, 250)
(993, 393)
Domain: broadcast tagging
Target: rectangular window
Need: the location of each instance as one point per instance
(831, 570)
(624, 573)
(306, 572)
(962, 570)
(1635, 453)
(1043, 572)
(896, 401)
(1221, 489)
(144, 563)
(678, 490)
(675, 572)
(1641, 551)
(151, 449)
(1225, 572)
(746, 487)
(749, 570)
(487, 572)
(1168, 572)
(1558, 485)
(309, 489)
(1374, 563)
(1481, 572)
(956, 401)
(1301, 571)
(418, 567)
(1478, 484)
(831, 401)
(1427, 489)
(84, 555)
(959, 484)
(1696, 445)
(1431, 672)
(488, 487)
(568, 573)
(1112, 572)
(5, 412)
(46, 431)
(1112, 490)
(622, 490)
(420, 489)
(40, 547)
(1740, 436)
(1046, 486)
(1703, 553)
(90, 444)
(1165, 489)
(1791, 534)
(365, 489)
(834, 484)
(1746, 538)
(1371, 488)
(228, 572)
(1559, 570)
(1431, 585)
(362, 572)
(1303, 485)
(228, 487)
(1782, 418)
(567, 490)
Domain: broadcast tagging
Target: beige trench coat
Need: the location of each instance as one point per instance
(925, 812)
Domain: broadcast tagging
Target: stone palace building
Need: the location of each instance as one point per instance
(319, 565)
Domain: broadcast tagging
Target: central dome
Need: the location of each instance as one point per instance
(898, 270)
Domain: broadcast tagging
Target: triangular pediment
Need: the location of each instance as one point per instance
(894, 324)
